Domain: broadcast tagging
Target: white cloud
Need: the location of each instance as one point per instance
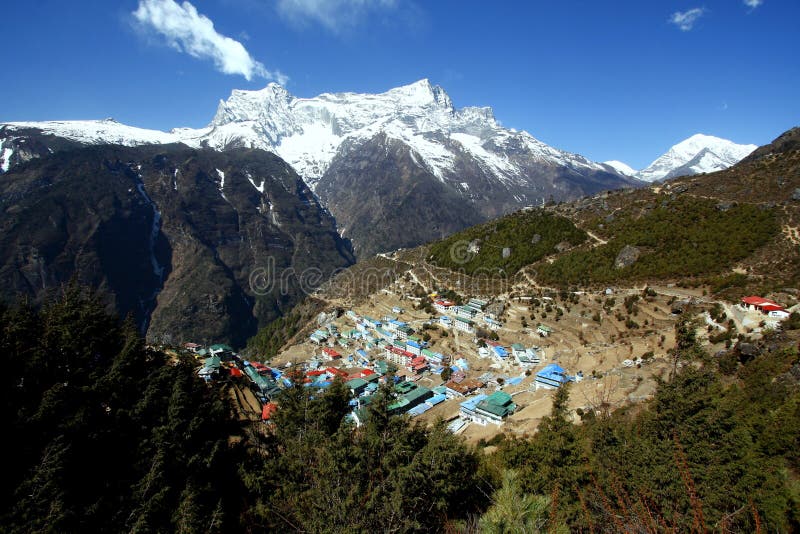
(337, 16)
(752, 4)
(685, 19)
(188, 31)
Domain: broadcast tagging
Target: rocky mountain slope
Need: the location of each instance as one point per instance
(448, 158)
(196, 244)
(736, 231)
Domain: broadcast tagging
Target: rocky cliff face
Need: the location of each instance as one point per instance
(196, 244)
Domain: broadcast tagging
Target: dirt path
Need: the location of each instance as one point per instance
(792, 234)
(598, 240)
(411, 272)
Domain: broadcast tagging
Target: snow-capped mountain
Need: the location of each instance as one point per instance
(697, 154)
(478, 165)
(620, 167)
(307, 132)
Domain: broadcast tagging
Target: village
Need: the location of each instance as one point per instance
(481, 366)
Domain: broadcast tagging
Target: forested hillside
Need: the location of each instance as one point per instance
(112, 436)
(105, 435)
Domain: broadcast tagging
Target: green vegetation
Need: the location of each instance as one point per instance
(704, 454)
(529, 235)
(110, 435)
(316, 473)
(682, 238)
(733, 280)
(104, 434)
(269, 339)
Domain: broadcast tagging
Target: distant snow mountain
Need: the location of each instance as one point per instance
(381, 163)
(697, 154)
(621, 168)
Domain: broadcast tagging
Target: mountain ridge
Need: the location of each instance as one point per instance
(340, 144)
(480, 167)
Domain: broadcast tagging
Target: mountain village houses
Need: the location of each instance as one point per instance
(368, 352)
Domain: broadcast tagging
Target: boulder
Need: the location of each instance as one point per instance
(627, 257)
(563, 246)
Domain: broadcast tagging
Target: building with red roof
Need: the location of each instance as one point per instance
(765, 306)
(418, 365)
(399, 356)
(330, 354)
(443, 305)
(334, 372)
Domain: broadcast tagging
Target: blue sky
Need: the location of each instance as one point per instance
(610, 80)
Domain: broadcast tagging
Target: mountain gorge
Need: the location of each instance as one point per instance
(174, 234)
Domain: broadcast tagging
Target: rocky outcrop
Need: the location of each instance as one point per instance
(627, 257)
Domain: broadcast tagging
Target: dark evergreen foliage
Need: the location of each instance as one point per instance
(105, 434)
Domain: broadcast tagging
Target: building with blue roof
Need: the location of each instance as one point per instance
(500, 352)
(551, 377)
(413, 347)
(418, 410)
(436, 399)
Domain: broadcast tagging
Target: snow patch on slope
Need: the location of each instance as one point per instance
(5, 158)
(222, 184)
(107, 131)
(259, 188)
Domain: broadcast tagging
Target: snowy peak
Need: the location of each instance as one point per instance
(309, 132)
(250, 105)
(421, 94)
(622, 168)
(698, 154)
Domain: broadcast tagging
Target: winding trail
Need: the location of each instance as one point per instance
(599, 240)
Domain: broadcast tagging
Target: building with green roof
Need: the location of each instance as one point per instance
(357, 385)
(495, 407)
(411, 396)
